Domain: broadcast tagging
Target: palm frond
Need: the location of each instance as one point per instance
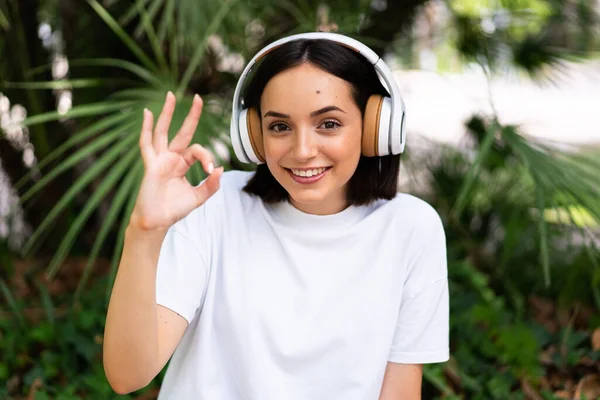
(484, 150)
(200, 50)
(543, 233)
(116, 172)
(98, 144)
(151, 34)
(4, 23)
(99, 166)
(116, 135)
(79, 137)
(120, 32)
(78, 111)
(117, 205)
(62, 84)
(535, 55)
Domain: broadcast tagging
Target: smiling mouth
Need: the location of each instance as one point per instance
(307, 176)
(307, 173)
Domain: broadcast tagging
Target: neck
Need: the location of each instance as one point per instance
(321, 208)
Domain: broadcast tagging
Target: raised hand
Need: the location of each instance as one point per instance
(165, 195)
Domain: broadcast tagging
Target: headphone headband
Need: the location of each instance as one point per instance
(397, 117)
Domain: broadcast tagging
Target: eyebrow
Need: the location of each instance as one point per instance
(312, 114)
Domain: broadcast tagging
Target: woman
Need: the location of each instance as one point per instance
(310, 278)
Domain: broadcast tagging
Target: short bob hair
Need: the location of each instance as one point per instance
(375, 177)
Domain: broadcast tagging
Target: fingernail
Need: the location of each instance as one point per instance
(211, 168)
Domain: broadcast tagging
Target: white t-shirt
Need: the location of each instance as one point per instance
(285, 305)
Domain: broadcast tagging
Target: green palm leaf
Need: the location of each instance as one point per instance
(4, 23)
(563, 182)
(60, 84)
(89, 150)
(474, 170)
(151, 34)
(117, 205)
(120, 32)
(99, 166)
(77, 111)
(93, 129)
(200, 50)
(116, 172)
(147, 75)
(115, 133)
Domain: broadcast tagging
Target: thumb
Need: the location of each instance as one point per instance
(209, 187)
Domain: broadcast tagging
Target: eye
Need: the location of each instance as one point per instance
(278, 127)
(330, 124)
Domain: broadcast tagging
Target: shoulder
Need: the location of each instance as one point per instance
(413, 214)
(223, 201)
(234, 180)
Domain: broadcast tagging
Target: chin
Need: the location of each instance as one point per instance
(307, 198)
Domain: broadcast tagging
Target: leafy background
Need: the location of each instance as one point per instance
(521, 215)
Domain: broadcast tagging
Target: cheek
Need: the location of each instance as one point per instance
(275, 151)
(346, 147)
(270, 145)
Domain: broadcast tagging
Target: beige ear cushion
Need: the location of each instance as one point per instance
(370, 138)
(255, 133)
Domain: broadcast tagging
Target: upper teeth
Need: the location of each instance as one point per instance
(308, 172)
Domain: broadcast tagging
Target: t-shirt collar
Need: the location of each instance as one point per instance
(284, 212)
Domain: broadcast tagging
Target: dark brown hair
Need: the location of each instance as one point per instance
(375, 177)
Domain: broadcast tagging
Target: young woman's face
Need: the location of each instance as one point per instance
(312, 131)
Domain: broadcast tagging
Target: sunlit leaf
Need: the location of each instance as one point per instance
(116, 172)
(4, 24)
(77, 111)
(62, 84)
(80, 155)
(482, 153)
(151, 34)
(116, 206)
(98, 167)
(541, 205)
(79, 137)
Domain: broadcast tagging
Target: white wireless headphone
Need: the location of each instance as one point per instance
(384, 123)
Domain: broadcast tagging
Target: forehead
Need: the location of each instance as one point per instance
(305, 86)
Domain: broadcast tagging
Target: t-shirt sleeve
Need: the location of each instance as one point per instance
(422, 329)
(184, 264)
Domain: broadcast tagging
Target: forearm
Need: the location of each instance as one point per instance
(402, 382)
(131, 332)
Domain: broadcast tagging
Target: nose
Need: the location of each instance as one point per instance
(304, 145)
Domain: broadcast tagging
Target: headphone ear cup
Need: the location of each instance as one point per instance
(255, 131)
(371, 121)
(385, 118)
(251, 135)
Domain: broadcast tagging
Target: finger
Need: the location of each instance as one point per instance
(209, 186)
(188, 128)
(197, 152)
(161, 131)
(146, 136)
